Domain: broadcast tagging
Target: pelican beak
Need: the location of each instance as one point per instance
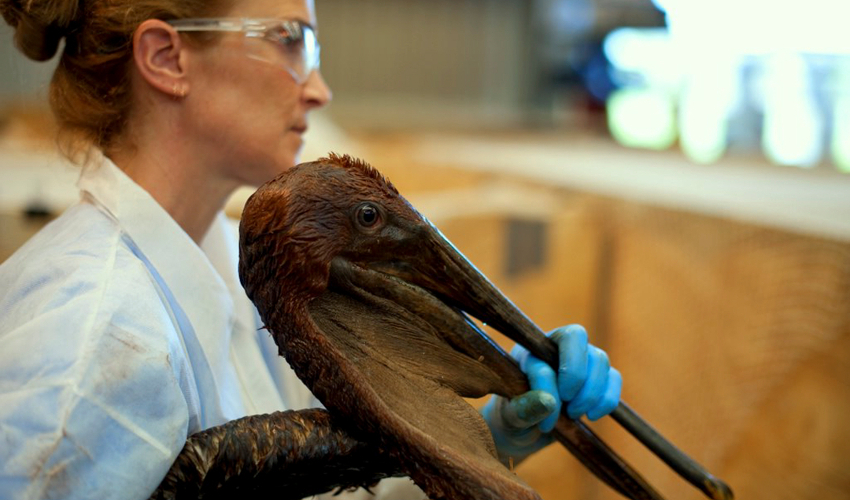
(434, 264)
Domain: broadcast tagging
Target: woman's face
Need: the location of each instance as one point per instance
(250, 115)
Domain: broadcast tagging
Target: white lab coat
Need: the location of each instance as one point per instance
(119, 337)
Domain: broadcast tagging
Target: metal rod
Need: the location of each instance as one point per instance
(684, 465)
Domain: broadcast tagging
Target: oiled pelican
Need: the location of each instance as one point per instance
(367, 300)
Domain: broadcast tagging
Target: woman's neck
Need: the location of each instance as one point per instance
(187, 189)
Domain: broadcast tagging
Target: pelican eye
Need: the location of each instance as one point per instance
(368, 215)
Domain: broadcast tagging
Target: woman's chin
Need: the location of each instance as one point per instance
(294, 147)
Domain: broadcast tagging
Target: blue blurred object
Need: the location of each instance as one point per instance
(596, 74)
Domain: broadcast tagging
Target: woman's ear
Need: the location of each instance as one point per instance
(160, 57)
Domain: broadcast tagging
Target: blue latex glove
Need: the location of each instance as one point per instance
(585, 382)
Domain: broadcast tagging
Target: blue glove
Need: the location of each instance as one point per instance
(585, 382)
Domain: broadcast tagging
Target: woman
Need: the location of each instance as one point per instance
(124, 325)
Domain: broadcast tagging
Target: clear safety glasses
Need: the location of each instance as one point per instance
(293, 42)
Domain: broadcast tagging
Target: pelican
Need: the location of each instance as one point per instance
(370, 304)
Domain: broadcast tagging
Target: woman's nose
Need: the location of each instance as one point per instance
(316, 91)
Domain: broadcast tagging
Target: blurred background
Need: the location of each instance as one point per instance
(675, 175)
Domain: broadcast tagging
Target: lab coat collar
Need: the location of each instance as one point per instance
(183, 265)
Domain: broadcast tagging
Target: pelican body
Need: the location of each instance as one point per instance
(365, 299)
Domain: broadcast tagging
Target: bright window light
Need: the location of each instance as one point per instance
(760, 27)
(841, 134)
(642, 118)
(764, 58)
(792, 125)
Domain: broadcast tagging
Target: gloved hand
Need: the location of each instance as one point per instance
(585, 382)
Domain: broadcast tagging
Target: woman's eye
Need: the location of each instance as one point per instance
(368, 215)
(285, 39)
(292, 42)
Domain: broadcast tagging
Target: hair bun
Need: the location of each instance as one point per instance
(10, 12)
(40, 25)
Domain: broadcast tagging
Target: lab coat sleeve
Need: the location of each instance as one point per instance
(91, 404)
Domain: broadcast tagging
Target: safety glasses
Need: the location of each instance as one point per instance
(294, 43)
